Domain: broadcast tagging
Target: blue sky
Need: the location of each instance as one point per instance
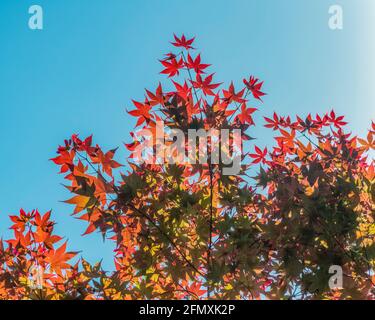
(80, 72)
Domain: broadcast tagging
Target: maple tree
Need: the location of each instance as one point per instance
(187, 231)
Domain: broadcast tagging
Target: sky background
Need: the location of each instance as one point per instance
(79, 74)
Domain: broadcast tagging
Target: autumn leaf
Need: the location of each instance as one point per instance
(196, 64)
(172, 67)
(255, 87)
(79, 201)
(157, 98)
(230, 94)
(183, 42)
(368, 144)
(58, 258)
(205, 85)
(336, 121)
(183, 90)
(142, 112)
(273, 123)
(245, 115)
(259, 156)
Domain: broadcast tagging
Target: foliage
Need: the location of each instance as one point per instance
(190, 232)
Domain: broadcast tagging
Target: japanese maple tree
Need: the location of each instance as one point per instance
(187, 230)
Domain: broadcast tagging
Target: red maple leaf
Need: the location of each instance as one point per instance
(273, 123)
(182, 90)
(321, 121)
(195, 288)
(196, 64)
(142, 111)
(205, 84)
(259, 156)
(336, 121)
(157, 98)
(106, 160)
(183, 42)
(369, 143)
(230, 95)
(172, 68)
(245, 115)
(64, 159)
(255, 87)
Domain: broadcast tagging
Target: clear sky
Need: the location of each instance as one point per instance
(78, 74)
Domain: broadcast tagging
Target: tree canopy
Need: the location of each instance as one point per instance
(189, 231)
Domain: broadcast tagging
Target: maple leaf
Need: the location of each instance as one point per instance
(309, 125)
(157, 98)
(273, 123)
(106, 160)
(44, 229)
(196, 289)
(58, 258)
(196, 64)
(79, 201)
(20, 239)
(369, 143)
(183, 90)
(64, 159)
(259, 156)
(321, 121)
(336, 121)
(245, 115)
(287, 138)
(302, 150)
(172, 68)
(255, 87)
(205, 85)
(230, 94)
(42, 221)
(183, 42)
(82, 145)
(142, 111)
(19, 223)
